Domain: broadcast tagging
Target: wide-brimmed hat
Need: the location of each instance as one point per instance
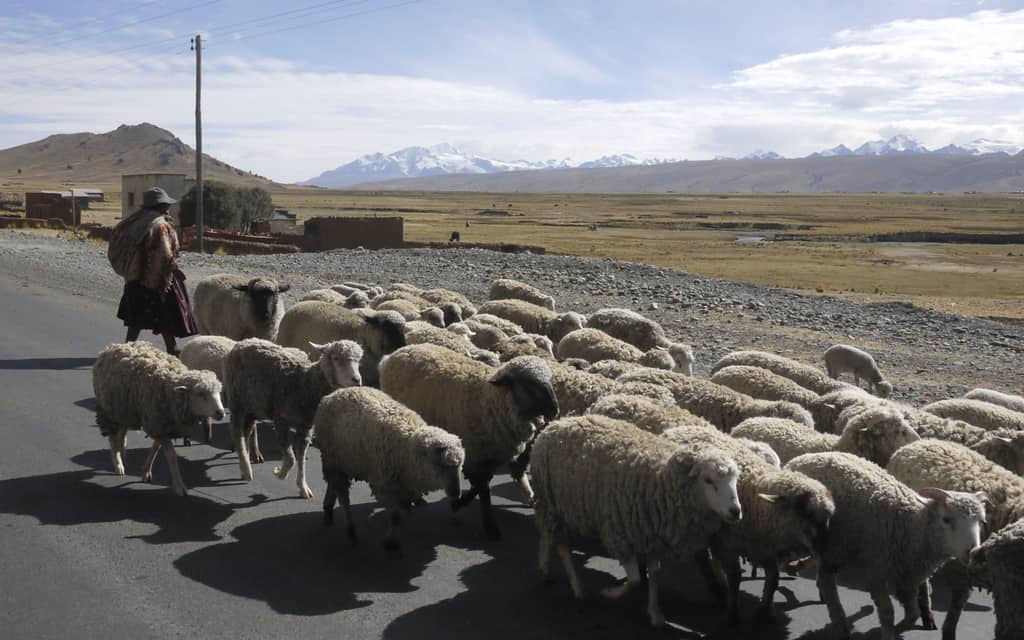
(155, 197)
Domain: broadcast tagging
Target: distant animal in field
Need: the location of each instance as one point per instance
(455, 237)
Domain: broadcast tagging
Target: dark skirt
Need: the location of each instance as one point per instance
(149, 309)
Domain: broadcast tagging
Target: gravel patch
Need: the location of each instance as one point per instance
(928, 355)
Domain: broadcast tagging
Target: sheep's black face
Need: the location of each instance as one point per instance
(535, 399)
(392, 334)
(263, 300)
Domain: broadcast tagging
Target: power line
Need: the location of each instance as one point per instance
(328, 20)
(199, 5)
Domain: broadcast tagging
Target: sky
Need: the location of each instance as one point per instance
(293, 89)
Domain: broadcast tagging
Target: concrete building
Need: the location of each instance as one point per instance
(132, 187)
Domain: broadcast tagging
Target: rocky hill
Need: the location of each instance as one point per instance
(102, 158)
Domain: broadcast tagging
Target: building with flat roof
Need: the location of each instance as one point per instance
(134, 185)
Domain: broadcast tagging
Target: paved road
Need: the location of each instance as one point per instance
(93, 555)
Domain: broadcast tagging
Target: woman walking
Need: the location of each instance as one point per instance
(144, 251)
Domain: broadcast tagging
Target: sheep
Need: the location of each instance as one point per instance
(576, 363)
(613, 368)
(899, 536)
(874, 434)
(419, 332)
(406, 287)
(206, 353)
(953, 467)
(642, 496)
(324, 295)
(762, 450)
(977, 412)
(357, 300)
(784, 512)
(505, 289)
(441, 297)
(433, 316)
(507, 327)
(525, 344)
(138, 386)
(534, 319)
(364, 434)
(451, 311)
(719, 405)
(595, 345)
(645, 413)
(461, 329)
(840, 358)
(485, 336)
(378, 333)
(629, 326)
(265, 380)
(406, 309)
(1001, 561)
(805, 375)
(765, 385)
(682, 355)
(237, 307)
(493, 412)
(1009, 401)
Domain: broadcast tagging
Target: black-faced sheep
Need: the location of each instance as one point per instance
(1000, 560)
(238, 307)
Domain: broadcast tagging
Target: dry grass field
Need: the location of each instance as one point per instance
(698, 233)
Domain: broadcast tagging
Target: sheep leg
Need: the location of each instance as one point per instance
(284, 439)
(254, 446)
(391, 538)
(830, 594)
(883, 605)
(330, 497)
(653, 604)
(632, 567)
(483, 482)
(924, 605)
(301, 445)
(959, 593)
(147, 468)
(733, 574)
(766, 610)
(241, 426)
(208, 430)
(910, 601)
(544, 553)
(574, 580)
(466, 497)
(517, 469)
(172, 462)
(712, 578)
(118, 438)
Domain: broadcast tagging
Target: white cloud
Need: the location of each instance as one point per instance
(942, 81)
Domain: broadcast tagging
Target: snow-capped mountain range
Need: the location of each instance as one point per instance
(444, 159)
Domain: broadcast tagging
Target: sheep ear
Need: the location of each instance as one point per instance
(241, 287)
(283, 287)
(770, 497)
(985, 500)
(830, 407)
(935, 494)
(181, 388)
(660, 348)
(318, 347)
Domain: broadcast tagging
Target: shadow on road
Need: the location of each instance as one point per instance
(86, 403)
(55, 364)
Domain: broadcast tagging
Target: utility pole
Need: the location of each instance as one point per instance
(197, 44)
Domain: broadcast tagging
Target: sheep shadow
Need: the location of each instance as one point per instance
(89, 404)
(52, 364)
(300, 567)
(87, 496)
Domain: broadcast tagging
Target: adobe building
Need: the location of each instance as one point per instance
(133, 185)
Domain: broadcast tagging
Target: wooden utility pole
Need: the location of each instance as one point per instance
(198, 46)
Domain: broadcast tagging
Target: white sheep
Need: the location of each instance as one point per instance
(525, 344)
(629, 326)
(445, 297)
(805, 375)
(645, 413)
(898, 536)
(138, 386)
(433, 315)
(325, 295)
(642, 496)
(207, 353)
(238, 307)
(506, 289)
(874, 434)
(765, 385)
(265, 380)
(842, 358)
(364, 434)
(977, 412)
(406, 309)
(377, 332)
(534, 319)
(1007, 400)
(955, 468)
(719, 405)
(507, 327)
(1000, 561)
(419, 332)
(493, 412)
(594, 345)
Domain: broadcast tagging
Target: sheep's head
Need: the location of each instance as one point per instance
(658, 358)
(576, 363)
(882, 430)
(199, 392)
(433, 315)
(683, 356)
(565, 323)
(444, 456)
(528, 378)
(804, 507)
(357, 300)
(957, 518)
(461, 329)
(543, 343)
(1005, 448)
(339, 362)
(263, 296)
(390, 327)
(452, 312)
(715, 475)
(883, 389)
(762, 450)
(1001, 556)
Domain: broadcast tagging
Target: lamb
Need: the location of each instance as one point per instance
(1009, 401)
(506, 289)
(265, 380)
(874, 434)
(979, 413)
(206, 353)
(1001, 561)
(237, 307)
(784, 512)
(899, 536)
(719, 405)
(535, 319)
(493, 412)
(138, 386)
(840, 358)
(595, 345)
(378, 333)
(804, 375)
(642, 496)
(765, 385)
(955, 468)
(364, 434)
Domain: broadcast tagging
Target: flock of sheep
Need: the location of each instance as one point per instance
(609, 435)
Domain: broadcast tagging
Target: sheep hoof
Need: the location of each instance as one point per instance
(256, 457)
(119, 470)
(147, 478)
(305, 492)
(280, 473)
(186, 442)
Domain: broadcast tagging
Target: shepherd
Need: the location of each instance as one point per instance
(144, 251)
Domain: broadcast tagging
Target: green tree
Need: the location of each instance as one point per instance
(227, 206)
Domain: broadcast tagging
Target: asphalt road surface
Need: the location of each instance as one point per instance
(87, 554)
